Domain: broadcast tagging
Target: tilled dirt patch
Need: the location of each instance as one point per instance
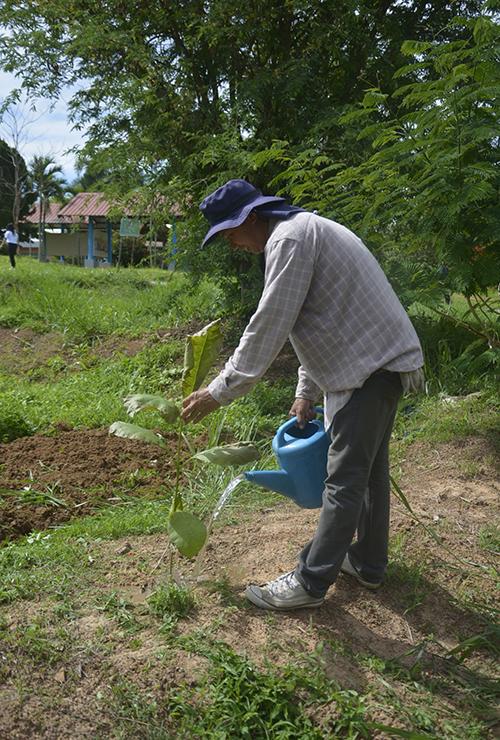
(45, 481)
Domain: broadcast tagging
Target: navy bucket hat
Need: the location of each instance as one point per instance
(229, 205)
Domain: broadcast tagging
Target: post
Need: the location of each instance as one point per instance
(90, 260)
(171, 265)
(109, 228)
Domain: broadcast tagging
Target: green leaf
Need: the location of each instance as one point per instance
(201, 352)
(236, 454)
(415, 47)
(398, 732)
(132, 431)
(187, 533)
(139, 402)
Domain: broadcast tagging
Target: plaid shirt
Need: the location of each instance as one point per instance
(326, 292)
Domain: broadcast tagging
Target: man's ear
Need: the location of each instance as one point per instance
(252, 217)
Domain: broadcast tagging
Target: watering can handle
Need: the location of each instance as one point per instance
(280, 435)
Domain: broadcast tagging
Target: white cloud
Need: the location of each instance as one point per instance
(48, 132)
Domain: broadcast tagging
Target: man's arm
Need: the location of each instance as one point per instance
(289, 270)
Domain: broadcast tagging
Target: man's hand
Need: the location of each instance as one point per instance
(196, 406)
(303, 409)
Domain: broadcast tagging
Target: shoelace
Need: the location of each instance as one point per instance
(282, 583)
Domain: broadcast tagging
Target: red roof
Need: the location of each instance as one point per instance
(85, 205)
(50, 214)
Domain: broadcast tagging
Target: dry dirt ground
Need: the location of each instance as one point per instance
(416, 617)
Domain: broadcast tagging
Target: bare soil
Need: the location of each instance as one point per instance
(82, 470)
(409, 621)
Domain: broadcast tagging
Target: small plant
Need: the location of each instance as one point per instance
(13, 425)
(171, 601)
(186, 531)
(121, 611)
(29, 495)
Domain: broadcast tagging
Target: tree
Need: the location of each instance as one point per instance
(15, 124)
(13, 174)
(160, 82)
(43, 173)
(428, 193)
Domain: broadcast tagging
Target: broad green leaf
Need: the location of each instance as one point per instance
(187, 533)
(237, 454)
(142, 401)
(132, 431)
(201, 352)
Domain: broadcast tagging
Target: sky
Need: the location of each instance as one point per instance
(47, 132)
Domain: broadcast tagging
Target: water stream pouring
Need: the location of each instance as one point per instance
(302, 455)
(226, 495)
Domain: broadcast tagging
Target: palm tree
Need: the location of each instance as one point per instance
(46, 183)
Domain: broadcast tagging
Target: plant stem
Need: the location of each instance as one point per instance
(177, 497)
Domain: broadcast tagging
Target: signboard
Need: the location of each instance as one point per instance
(130, 227)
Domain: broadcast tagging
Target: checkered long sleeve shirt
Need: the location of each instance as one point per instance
(326, 292)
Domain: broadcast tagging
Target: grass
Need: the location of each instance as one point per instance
(489, 538)
(434, 419)
(171, 601)
(122, 611)
(89, 304)
(236, 699)
(87, 398)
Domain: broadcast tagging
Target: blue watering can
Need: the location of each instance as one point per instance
(302, 455)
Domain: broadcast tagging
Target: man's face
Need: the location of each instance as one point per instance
(250, 236)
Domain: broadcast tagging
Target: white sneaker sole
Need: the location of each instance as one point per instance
(262, 604)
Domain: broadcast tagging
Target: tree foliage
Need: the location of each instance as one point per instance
(429, 187)
(46, 182)
(13, 182)
(167, 86)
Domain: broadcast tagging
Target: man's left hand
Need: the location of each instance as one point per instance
(196, 406)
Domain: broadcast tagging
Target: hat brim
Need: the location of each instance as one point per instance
(237, 218)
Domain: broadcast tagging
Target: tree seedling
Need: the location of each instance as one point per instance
(187, 532)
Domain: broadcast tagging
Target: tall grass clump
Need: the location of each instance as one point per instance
(456, 362)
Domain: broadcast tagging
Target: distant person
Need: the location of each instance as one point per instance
(357, 348)
(12, 238)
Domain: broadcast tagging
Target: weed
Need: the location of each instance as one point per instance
(171, 601)
(226, 592)
(407, 576)
(136, 713)
(29, 495)
(122, 611)
(489, 538)
(236, 699)
(13, 424)
(38, 644)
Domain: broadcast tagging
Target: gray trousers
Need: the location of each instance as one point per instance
(357, 488)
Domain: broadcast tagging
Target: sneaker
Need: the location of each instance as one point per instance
(283, 593)
(348, 568)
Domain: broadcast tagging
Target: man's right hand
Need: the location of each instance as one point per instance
(303, 409)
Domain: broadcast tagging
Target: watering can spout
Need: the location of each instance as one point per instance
(275, 480)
